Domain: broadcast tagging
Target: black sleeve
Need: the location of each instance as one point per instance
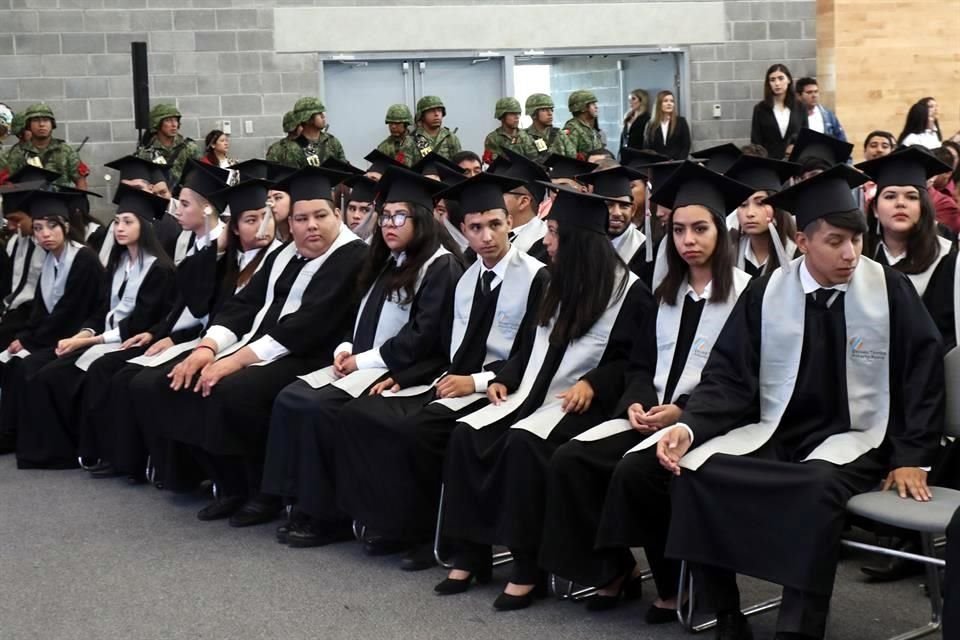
(197, 280)
(98, 316)
(239, 311)
(327, 308)
(608, 376)
(95, 241)
(154, 299)
(756, 126)
(637, 131)
(683, 138)
(938, 299)
(6, 272)
(80, 296)
(430, 315)
(917, 378)
(642, 368)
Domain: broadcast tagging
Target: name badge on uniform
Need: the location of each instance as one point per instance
(540, 144)
(159, 159)
(313, 160)
(34, 161)
(426, 151)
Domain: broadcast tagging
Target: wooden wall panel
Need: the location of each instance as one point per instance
(875, 58)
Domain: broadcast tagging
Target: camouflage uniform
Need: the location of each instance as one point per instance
(406, 146)
(445, 143)
(176, 155)
(302, 152)
(551, 141)
(498, 140)
(582, 137)
(289, 124)
(58, 155)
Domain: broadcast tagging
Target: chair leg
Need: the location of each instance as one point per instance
(359, 531)
(501, 558)
(929, 546)
(686, 612)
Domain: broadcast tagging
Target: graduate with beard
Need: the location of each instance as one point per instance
(589, 318)
(696, 297)
(616, 184)
(403, 324)
(826, 379)
(404, 435)
(282, 324)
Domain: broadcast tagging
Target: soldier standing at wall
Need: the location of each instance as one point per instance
(582, 129)
(508, 135)
(314, 145)
(400, 145)
(44, 151)
(290, 127)
(166, 145)
(430, 134)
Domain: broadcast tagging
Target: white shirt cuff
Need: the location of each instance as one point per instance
(222, 336)
(482, 380)
(343, 347)
(927, 469)
(689, 430)
(112, 336)
(268, 349)
(370, 360)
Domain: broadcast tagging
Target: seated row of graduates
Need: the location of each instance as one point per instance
(519, 386)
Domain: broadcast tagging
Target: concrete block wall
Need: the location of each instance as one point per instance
(217, 59)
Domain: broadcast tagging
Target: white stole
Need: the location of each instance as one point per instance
(183, 247)
(90, 229)
(52, 287)
(33, 269)
(629, 243)
(455, 234)
(790, 249)
(528, 234)
(921, 280)
(109, 240)
(579, 357)
(120, 308)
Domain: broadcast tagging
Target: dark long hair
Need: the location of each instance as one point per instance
(790, 97)
(654, 123)
(584, 278)
(786, 230)
(231, 274)
(721, 266)
(75, 231)
(923, 245)
(918, 117)
(148, 243)
(428, 236)
(208, 143)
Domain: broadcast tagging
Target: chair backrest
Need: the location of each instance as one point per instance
(951, 365)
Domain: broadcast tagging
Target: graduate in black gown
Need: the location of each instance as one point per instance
(524, 202)
(404, 437)
(195, 278)
(654, 222)
(627, 240)
(827, 378)
(586, 325)
(694, 300)
(68, 290)
(407, 285)
(764, 235)
(278, 327)
(152, 178)
(136, 293)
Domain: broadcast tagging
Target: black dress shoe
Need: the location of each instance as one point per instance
(896, 568)
(381, 546)
(733, 626)
(630, 589)
(221, 508)
(418, 558)
(104, 470)
(260, 509)
(134, 480)
(452, 587)
(310, 534)
(657, 615)
(8, 443)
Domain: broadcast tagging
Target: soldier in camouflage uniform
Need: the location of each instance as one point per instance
(290, 127)
(430, 134)
(44, 151)
(400, 145)
(508, 135)
(314, 145)
(582, 129)
(546, 137)
(166, 145)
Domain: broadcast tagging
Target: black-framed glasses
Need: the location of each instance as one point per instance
(396, 219)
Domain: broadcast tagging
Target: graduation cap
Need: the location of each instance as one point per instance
(695, 184)
(912, 166)
(449, 177)
(638, 158)
(78, 198)
(719, 158)
(660, 172)
(13, 195)
(203, 178)
(311, 183)
(762, 174)
(613, 182)
(515, 165)
(403, 185)
(30, 173)
(143, 204)
(813, 145)
(428, 165)
(379, 161)
(134, 168)
(341, 166)
(248, 195)
(822, 195)
(573, 208)
(561, 166)
(362, 189)
(43, 204)
(482, 192)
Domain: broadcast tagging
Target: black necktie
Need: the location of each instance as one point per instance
(826, 298)
(486, 282)
(512, 236)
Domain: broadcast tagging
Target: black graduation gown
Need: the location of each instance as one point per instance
(49, 424)
(405, 438)
(712, 524)
(14, 320)
(495, 476)
(580, 472)
(95, 239)
(640, 267)
(80, 298)
(302, 447)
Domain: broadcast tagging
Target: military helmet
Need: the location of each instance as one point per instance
(289, 122)
(429, 102)
(306, 108)
(6, 119)
(505, 106)
(578, 101)
(18, 124)
(399, 113)
(39, 110)
(538, 101)
(161, 112)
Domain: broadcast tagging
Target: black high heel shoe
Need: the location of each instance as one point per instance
(507, 602)
(630, 589)
(451, 586)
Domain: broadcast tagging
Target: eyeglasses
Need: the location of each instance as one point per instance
(396, 219)
(516, 194)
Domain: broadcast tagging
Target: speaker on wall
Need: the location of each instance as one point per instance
(141, 86)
